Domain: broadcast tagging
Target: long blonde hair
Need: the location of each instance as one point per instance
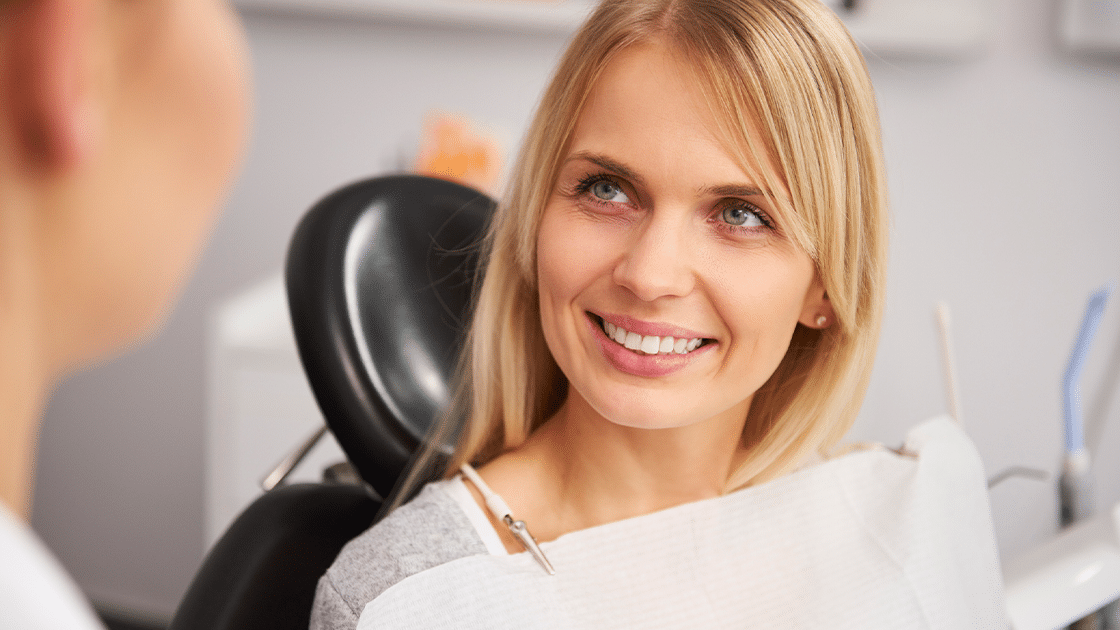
(786, 67)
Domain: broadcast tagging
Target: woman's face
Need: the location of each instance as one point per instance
(668, 290)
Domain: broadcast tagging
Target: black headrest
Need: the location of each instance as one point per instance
(379, 277)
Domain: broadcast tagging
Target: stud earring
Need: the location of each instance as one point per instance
(821, 320)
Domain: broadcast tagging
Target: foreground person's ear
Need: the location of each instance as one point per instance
(50, 59)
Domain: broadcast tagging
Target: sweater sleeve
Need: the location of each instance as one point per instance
(330, 611)
(426, 532)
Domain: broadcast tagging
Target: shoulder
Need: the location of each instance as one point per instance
(35, 592)
(424, 533)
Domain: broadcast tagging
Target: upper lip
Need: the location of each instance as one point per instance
(644, 328)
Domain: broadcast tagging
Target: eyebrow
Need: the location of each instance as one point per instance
(722, 190)
(733, 190)
(611, 165)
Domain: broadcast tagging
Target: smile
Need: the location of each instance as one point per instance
(648, 344)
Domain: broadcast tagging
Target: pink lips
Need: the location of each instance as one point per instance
(647, 365)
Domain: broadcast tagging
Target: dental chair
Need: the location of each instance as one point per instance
(379, 278)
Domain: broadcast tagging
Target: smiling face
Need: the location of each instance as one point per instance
(668, 291)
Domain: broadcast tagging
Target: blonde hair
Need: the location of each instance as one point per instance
(785, 67)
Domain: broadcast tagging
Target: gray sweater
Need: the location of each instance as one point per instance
(426, 532)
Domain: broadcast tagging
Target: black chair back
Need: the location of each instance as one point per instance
(379, 277)
(262, 572)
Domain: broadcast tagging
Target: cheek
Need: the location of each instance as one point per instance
(573, 259)
(762, 301)
(557, 271)
(571, 252)
(187, 105)
(173, 132)
(205, 90)
(190, 111)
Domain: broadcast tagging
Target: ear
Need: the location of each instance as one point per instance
(51, 65)
(816, 306)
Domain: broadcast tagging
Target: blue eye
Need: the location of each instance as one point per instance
(742, 216)
(606, 190)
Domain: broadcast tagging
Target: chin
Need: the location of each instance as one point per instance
(121, 324)
(644, 412)
(647, 423)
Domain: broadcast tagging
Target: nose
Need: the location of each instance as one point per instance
(657, 260)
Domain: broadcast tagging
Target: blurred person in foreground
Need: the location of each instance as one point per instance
(121, 124)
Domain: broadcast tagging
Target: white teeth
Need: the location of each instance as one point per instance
(666, 345)
(650, 344)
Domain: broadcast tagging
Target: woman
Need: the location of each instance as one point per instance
(120, 126)
(679, 314)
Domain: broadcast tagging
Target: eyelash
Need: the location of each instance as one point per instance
(585, 183)
(767, 222)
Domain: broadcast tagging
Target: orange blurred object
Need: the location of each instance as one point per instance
(454, 148)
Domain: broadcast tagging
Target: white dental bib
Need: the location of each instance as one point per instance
(864, 541)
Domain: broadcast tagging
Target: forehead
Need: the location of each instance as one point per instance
(650, 105)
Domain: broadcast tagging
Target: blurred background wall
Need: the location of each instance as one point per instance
(1005, 178)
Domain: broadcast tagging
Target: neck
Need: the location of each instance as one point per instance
(21, 401)
(24, 374)
(580, 470)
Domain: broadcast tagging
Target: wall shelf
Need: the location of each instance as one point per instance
(919, 28)
(556, 16)
(1090, 26)
(923, 28)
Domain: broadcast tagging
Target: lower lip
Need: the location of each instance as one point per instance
(647, 365)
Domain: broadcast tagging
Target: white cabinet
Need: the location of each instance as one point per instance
(260, 406)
